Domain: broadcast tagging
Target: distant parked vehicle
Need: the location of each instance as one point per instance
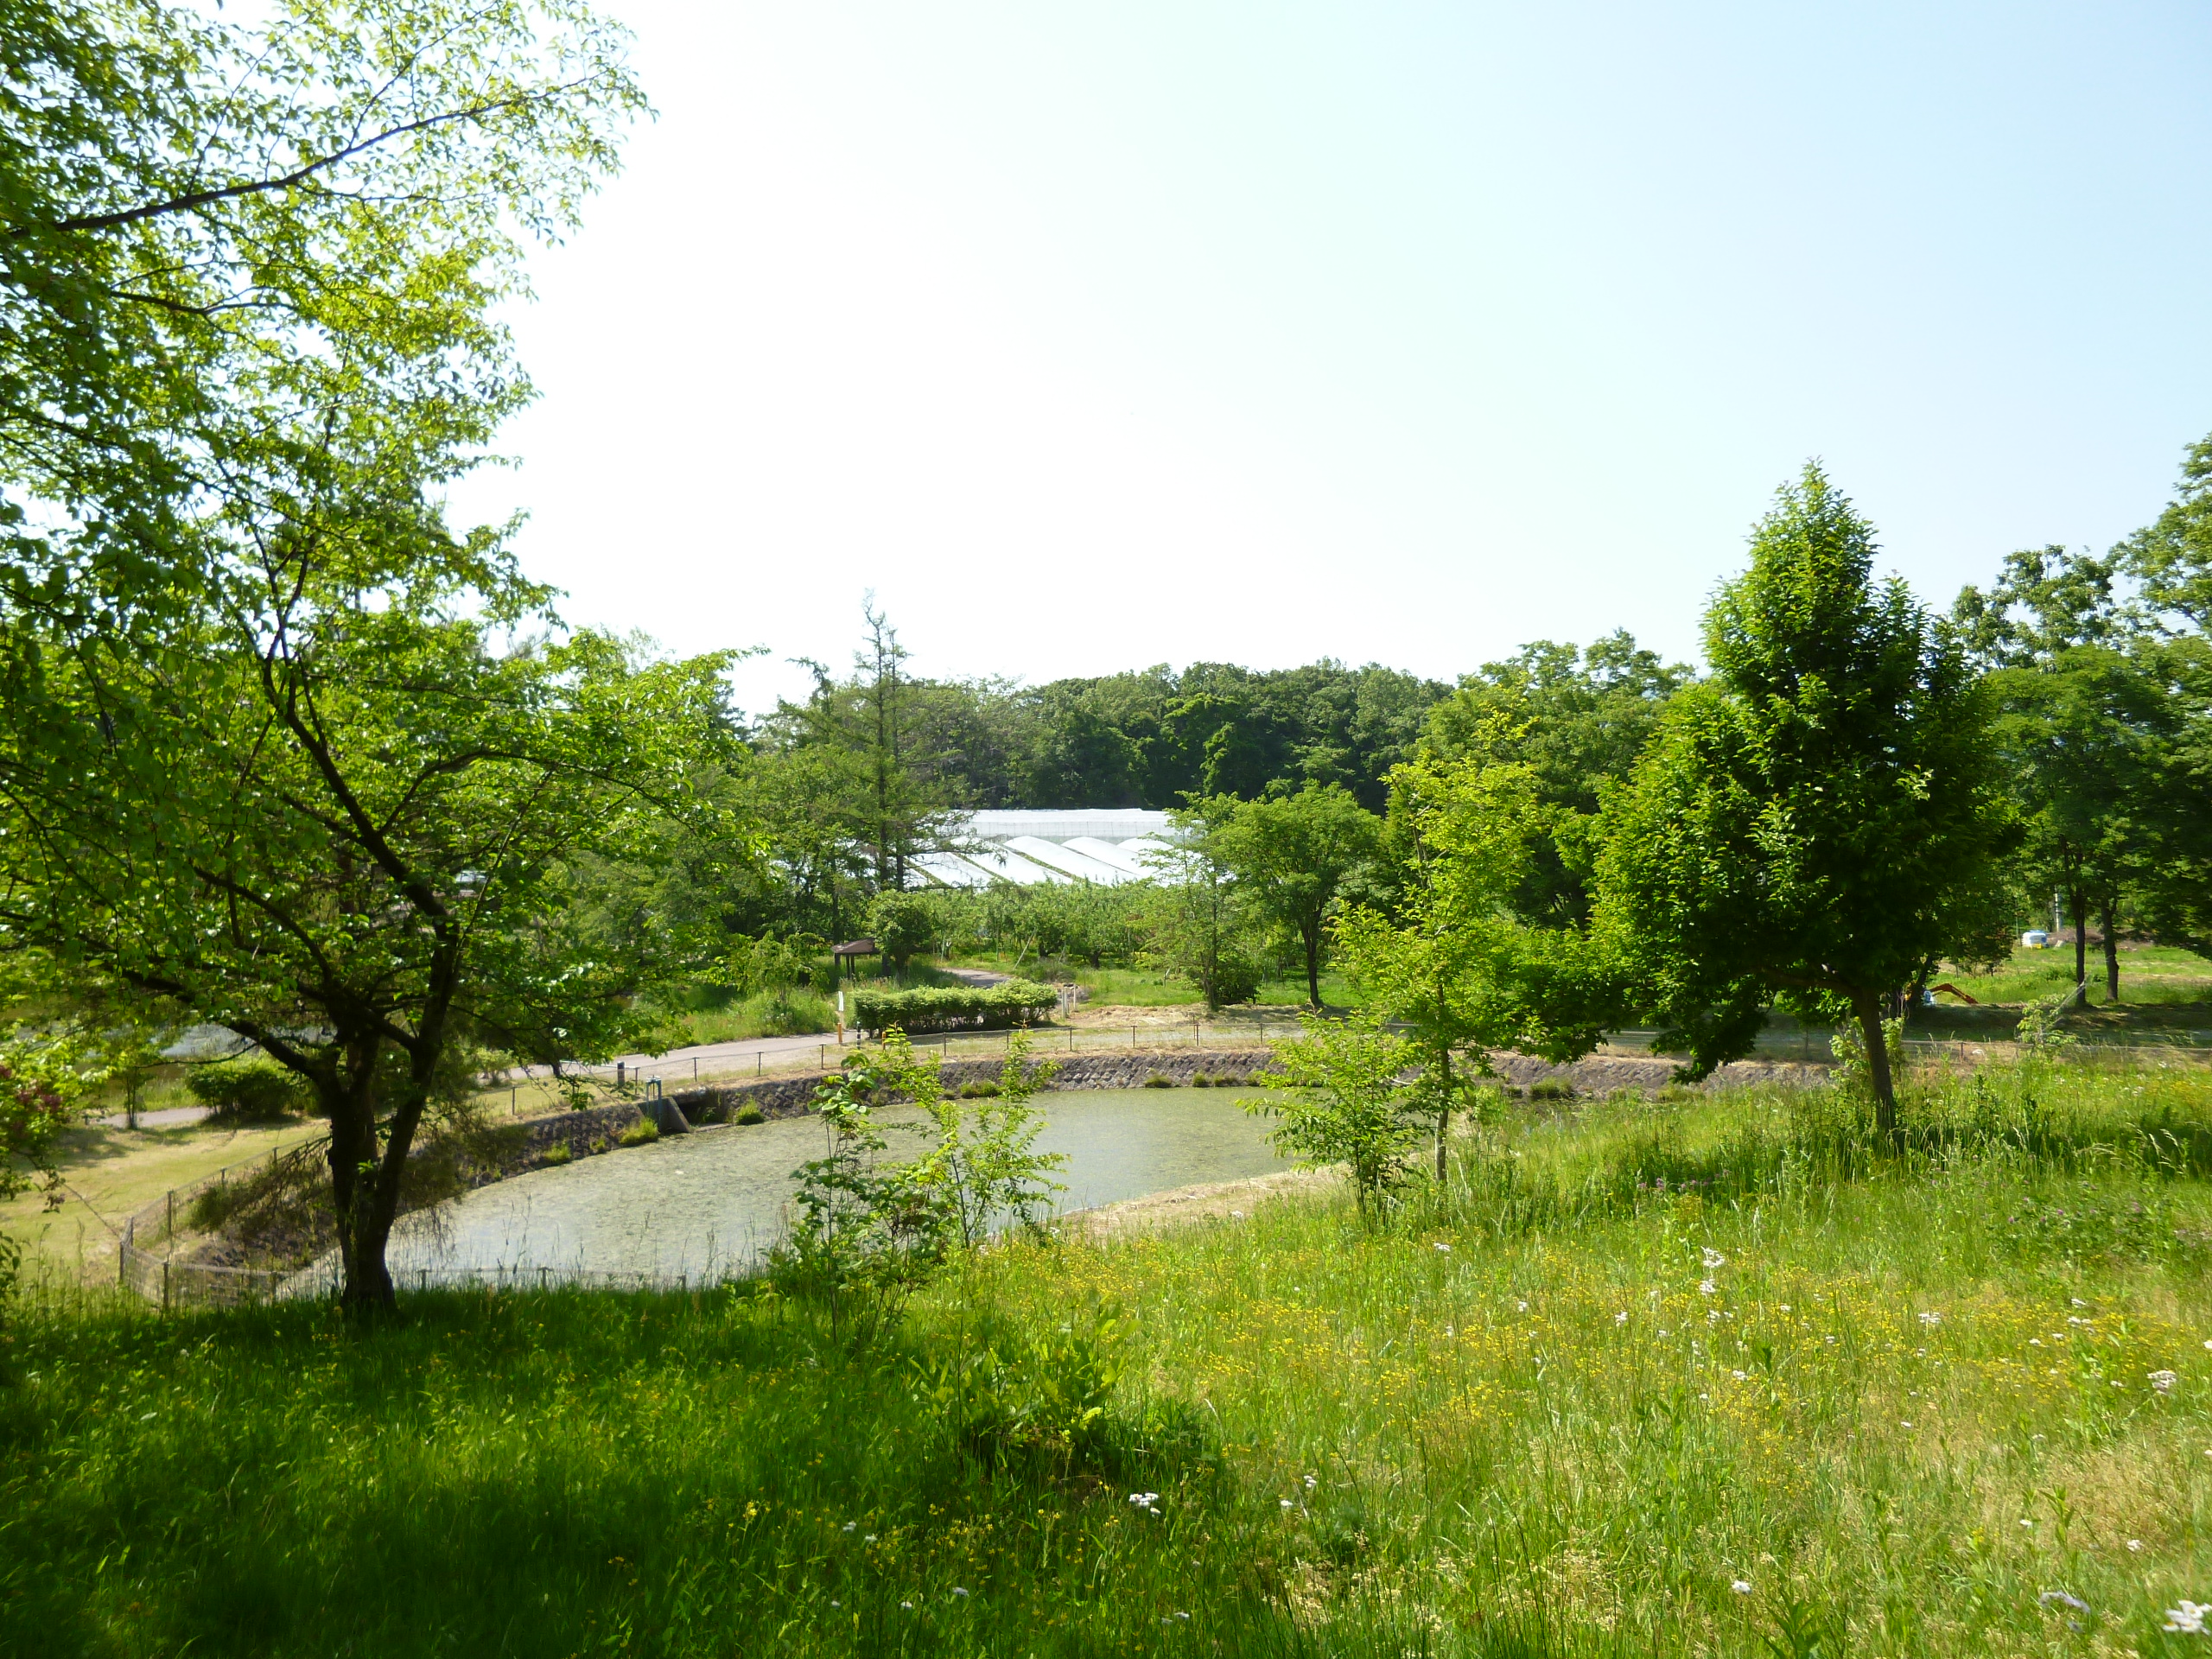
(2036, 939)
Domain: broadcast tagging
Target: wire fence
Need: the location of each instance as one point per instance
(146, 1256)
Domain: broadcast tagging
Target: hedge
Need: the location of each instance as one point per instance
(1016, 1002)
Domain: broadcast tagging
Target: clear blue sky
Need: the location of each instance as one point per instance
(1091, 336)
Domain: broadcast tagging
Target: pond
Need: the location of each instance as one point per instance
(704, 1202)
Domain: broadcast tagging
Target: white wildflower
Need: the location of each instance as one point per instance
(959, 1589)
(1442, 1246)
(1706, 1288)
(1738, 1375)
(2135, 1545)
(1311, 1483)
(1931, 1316)
(2059, 1597)
(1149, 1502)
(1712, 1258)
(1286, 1503)
(2189, 1618)
(1620, 1319)
(1742, 1586)
(2163, 1380)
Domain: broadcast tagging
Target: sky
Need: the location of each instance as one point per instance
(1090, 336)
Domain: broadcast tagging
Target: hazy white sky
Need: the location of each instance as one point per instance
(1091, 336)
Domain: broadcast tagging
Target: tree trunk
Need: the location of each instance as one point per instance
(2110, 919)
(1313, 966)
(2079, 898)
(1444, 1112)
(1868, 1006)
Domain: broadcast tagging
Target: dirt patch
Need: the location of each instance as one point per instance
(1211, 1201)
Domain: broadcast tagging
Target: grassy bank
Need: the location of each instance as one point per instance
(1913, 1401)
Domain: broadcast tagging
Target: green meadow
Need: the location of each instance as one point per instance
(1695, 1374)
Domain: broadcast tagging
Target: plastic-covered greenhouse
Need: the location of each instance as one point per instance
(1033, 848)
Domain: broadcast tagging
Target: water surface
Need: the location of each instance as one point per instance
(704, 1202)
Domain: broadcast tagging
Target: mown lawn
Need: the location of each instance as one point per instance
(2148, 974)
(1632, 1357)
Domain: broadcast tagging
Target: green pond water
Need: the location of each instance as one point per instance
(704, 1203)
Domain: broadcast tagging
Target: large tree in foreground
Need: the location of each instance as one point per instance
(341, 815)
(1815, 822)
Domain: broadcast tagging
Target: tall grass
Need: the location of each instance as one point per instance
(1917, 1397)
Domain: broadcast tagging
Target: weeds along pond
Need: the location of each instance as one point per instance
(700, 1203)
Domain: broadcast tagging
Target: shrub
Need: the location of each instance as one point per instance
(934, 1007)
(1200, 1080)
(983, 1090)
(1551, 1089)
(597, 1143)
(1158, 1080)
(559, 1153)
(253, 1089)
(643, 1133)
(749, 1116)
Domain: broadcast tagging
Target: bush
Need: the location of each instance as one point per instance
(1016, 1002)
(1551, 1089)
(254, 1089)
(750, 1116)
(643, 1133)
(983, 1089)
(1158, 1080)
(559, 1153)
(1200, 1080)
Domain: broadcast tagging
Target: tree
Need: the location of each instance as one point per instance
(1291, 854)
(216, 239)
(1579, 720)
(2172, 560)
(1338, 1096)
(1815, 820)
(882, 793)
(339, 819)
(1453, 963)
(2081, 720)
(1200, 920)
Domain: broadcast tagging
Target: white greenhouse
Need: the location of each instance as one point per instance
(1105, 847)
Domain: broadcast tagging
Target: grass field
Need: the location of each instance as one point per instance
(2148, 974)
(1695, 1376)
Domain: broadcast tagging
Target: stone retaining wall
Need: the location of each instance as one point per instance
(791, 1097)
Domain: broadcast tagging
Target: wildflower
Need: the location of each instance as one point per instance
(959, 1589)
(1662, 1333)
(849, 1526)
(2163, 1380)
(2035, 1342)
(1712, 1258)
(2135, 1545)
(1931, 1316)
(1442, 1246)
(1785, 1307)
(1742, 1586)
(908, 1605)
(1523, 1306)
(2059, 1597)
(2025, 1522)
(1705, 1287)
(2078, 1302)
(1311, 1483)
(1905, 1425)
(1182, 1616)
(1286, 1503)
(1449, 1332)
(1738, 1375)
(2189, 1618)
(1149, 1502)
(1620, 1319)
(867, 1538)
